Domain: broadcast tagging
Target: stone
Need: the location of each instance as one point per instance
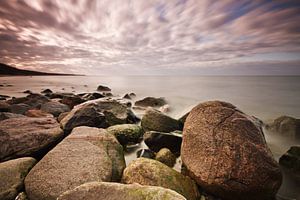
(46, 91)
(8, 115)
(103, 88)
(127, 133)
(38, 113)
(12, 175)
(22, 196)
(166, 156)
(4, 107)
(27, 136)
(285, 126)
(154, 120)
(28, 92)
(62, 115)
(146, 171)
(72, 100)
(20, 108)
(98, 113)
(158, 140)
(55, 108)
(225, 152)
(151, 101)
(87, 154)
(145, 153)
(117, 191)
(32, 100)
(92, 96)
(291, 161)
(129, 96)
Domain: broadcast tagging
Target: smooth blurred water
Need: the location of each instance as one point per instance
(265, 97)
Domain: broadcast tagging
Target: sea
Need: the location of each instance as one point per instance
(265, 97)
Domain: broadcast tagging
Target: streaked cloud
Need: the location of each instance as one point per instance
(145, 37)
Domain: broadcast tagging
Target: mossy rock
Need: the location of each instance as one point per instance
(151, 172)
(166, 156)
(126, 133)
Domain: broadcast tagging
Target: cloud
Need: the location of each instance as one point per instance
(93, 36)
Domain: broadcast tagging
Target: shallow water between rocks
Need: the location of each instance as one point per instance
(266, 97)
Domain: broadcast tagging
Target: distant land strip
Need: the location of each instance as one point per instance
(6, 70)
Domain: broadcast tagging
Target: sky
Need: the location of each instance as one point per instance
(143, 37)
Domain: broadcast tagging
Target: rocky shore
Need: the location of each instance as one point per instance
(73, 146)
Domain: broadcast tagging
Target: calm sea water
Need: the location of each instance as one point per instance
(265, 97)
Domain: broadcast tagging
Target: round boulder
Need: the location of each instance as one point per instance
(126, 133)
(166, 156)
(55, 108)
(225, 152)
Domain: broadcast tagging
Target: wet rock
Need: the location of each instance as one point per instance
(87, 154)
(4, 107)
(286, 126)
(72, 100)
(28, 92)
(103, 88)
(166, 156)
(126, 133)
(158, 140)
(55, 108)
(225, 152)
(12, 175)
(38, 114)
(291, 161)
(20, 108)
(8, 115)
(3, 97)
(151, 101)
(32, 100)
(98, 113)
(117, 191)
(154, 120)
(145, 153)
(92, 96)
(46, 91)
(27, 136)
(129, 96)
(151, 172)
(22, 196)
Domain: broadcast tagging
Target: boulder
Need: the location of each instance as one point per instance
(55, 108)
(61, 116)
(4, 107)
(145, 153)
(291, 161)
(151, 101)
(37, 113)
(72, 100)
(46, 91)
(27, 136)
(8, 115)
(127, 133)
(285, 126)
(92, 96)
(20, 108)
(146, 171)
(166, 156)
(129, 96)
(87, 154)
(154, 120)
(225, 152)
(12, 175)
(98, 113)
(158, 140)
(32, 100)
(117, 191)
(103, 88)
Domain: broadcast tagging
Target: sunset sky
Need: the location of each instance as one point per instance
(151, 37)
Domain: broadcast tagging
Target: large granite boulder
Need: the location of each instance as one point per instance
(12, 175)
(151, 172)
(154, 120)
(151, 101)
(27, 136)
(20, 108)
(55, 108)
(98, 113)
(71, 99)
(32, 100)
(8, 115)
(225, 152)
(87, 154)
(285, 126)
(126, 133)
(291, 161)
(117, 191)
(158, 140)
